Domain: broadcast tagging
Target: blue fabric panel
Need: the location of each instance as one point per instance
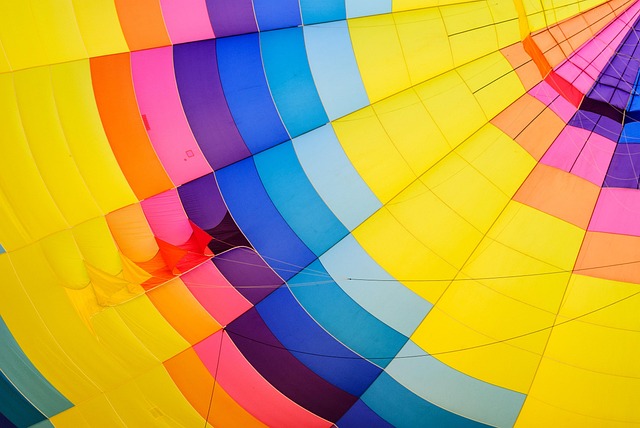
(630, 133)
(2, 250)
(402, 408)
(260, 221)
(23, 374)
(334, 178)
(15, 407)
(356, 8)
(361, 416)
(297, 200)
(247, 92)
(343, 318)
(274, 14)
(293, 327)
(334, 68)
(290, 80)
(457, 392)
(314, 11)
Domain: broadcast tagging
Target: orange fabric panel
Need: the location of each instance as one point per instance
(559, 193)
(115, 96)
(196, 384)
(540, 134)
(142, 24)
(131, 231)
(610, 256)
(534, 50)
(524, 67)
(181, 309)
(515, 118)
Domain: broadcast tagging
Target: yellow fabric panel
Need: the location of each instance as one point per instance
(379, 55)
(373, 153)
(96, 245)
(523, 241)
(425, 43)
(446, 94)
(86, 139)
(497, 157)
(474, 318)
(20, 179)
(99, 413)
(38, 32)
(132, 233)
(412, 130)
(4, 61)
(100, 28)
(48, 145)
(12, 232)
(590, 375)
(154, 400)
(401, 254)
(150, 327)
(493, 82)
(37, 339)
(466, 192)
(70, 418)
(507, 26)
(65, 259)
(434, 222)
(471, 31)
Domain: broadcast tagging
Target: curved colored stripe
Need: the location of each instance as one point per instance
(231, 17)
(297, 330)
(334, 178)
(15, 407)
(343, 318)
(186, 21)
(245, 88)
(142, 24)
(113, 87)
(290, 80)
(260, 347)
(315, 12)
(251, 390)
(163, 117)
(361, 415)
(274, 14)
(204, 103)
(296, 199)
(357, 8)
(272, 237)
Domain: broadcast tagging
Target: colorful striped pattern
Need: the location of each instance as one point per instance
(305, 213)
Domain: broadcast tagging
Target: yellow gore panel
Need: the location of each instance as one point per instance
(90, 149)
(514, 303)
(425, 43)
(590, 375)
(493, 82)
(65, 259)
(100, 28)
(39, 32)
(20, 180)
(379, 55)
(373, 153)
(49, 147)
(4, 61)
(96, 245)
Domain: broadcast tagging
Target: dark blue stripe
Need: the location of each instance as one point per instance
(274, 14)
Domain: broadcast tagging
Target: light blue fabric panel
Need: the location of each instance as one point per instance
(356, 8)
(386, 299)
(334, 177)
(455, 391)
(334, 68)
(314, 11)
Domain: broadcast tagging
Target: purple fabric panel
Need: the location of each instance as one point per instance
(256, 342)
(597, 123)
(246, 271)
(231, 17)
(624, 169)
(585, 120)
(202, 202)
(205, 105)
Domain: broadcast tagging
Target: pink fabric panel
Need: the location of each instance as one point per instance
(593, 162)
(249, 389)
(563, 108)
(186, 20)
(617, 211)
(565, 149)
(544, 93)
(167, 218)
(215, 294)
(161, 110)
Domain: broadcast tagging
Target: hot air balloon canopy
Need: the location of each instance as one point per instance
(319, 213)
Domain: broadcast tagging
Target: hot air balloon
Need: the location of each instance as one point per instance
(319, 213)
